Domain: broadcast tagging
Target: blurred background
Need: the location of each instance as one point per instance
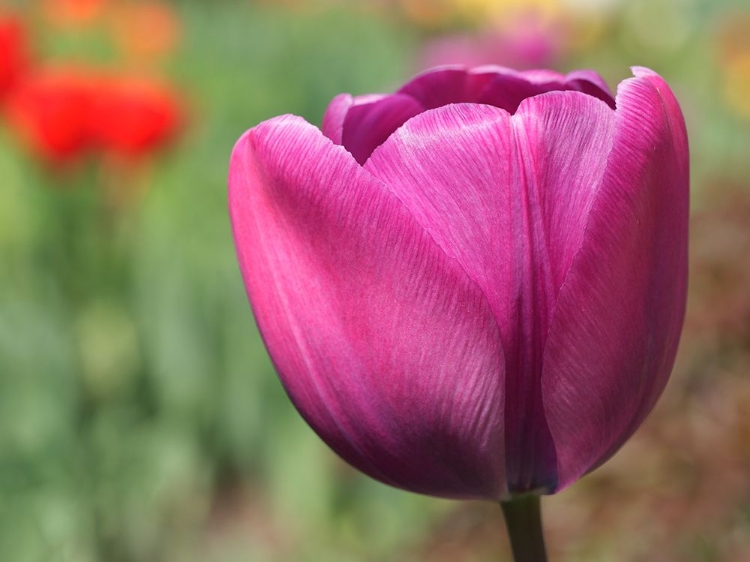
(140, 419)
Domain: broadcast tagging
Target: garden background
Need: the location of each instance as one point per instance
(140, 418)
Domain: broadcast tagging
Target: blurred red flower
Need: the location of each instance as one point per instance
(62, 112)
(49, 110)
(132, 116)
(14, 51)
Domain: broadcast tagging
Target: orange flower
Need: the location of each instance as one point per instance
(133, 116)
(49, 111)
(733, 50)
(73, 13)
(14, 51)
(733, 39)
(147, 29)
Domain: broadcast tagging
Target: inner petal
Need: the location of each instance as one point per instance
(368, 125)
(369, 121)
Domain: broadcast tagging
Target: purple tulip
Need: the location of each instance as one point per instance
(473, 287)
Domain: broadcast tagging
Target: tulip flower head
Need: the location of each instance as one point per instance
(473, 287)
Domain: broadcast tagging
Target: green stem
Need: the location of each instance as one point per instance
(523, 517)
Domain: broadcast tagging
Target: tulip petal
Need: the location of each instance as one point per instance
(440, 86)
(336, 112)
(614, 332)
(507, 196)
(491, 85)
(387, 348)
(509, 88)
(333, 119)
(367, 125)
(589, 82)
(499, 86)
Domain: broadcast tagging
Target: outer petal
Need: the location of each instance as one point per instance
(386, 347)
(507, 196)
(614, 333)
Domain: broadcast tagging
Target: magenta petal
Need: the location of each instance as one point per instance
(491, 85)
(508, 89)
(614, 333)
(438, 87)
(367, 125)
(508, 197)
(591, 83)
(565, 138)
(453, 169)
(389, 351)
(333, 119)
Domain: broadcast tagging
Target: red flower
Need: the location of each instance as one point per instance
(63, 112)
(49, 110)
(133, 116)
(14, 51)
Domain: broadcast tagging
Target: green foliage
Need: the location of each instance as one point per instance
(134, 387)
